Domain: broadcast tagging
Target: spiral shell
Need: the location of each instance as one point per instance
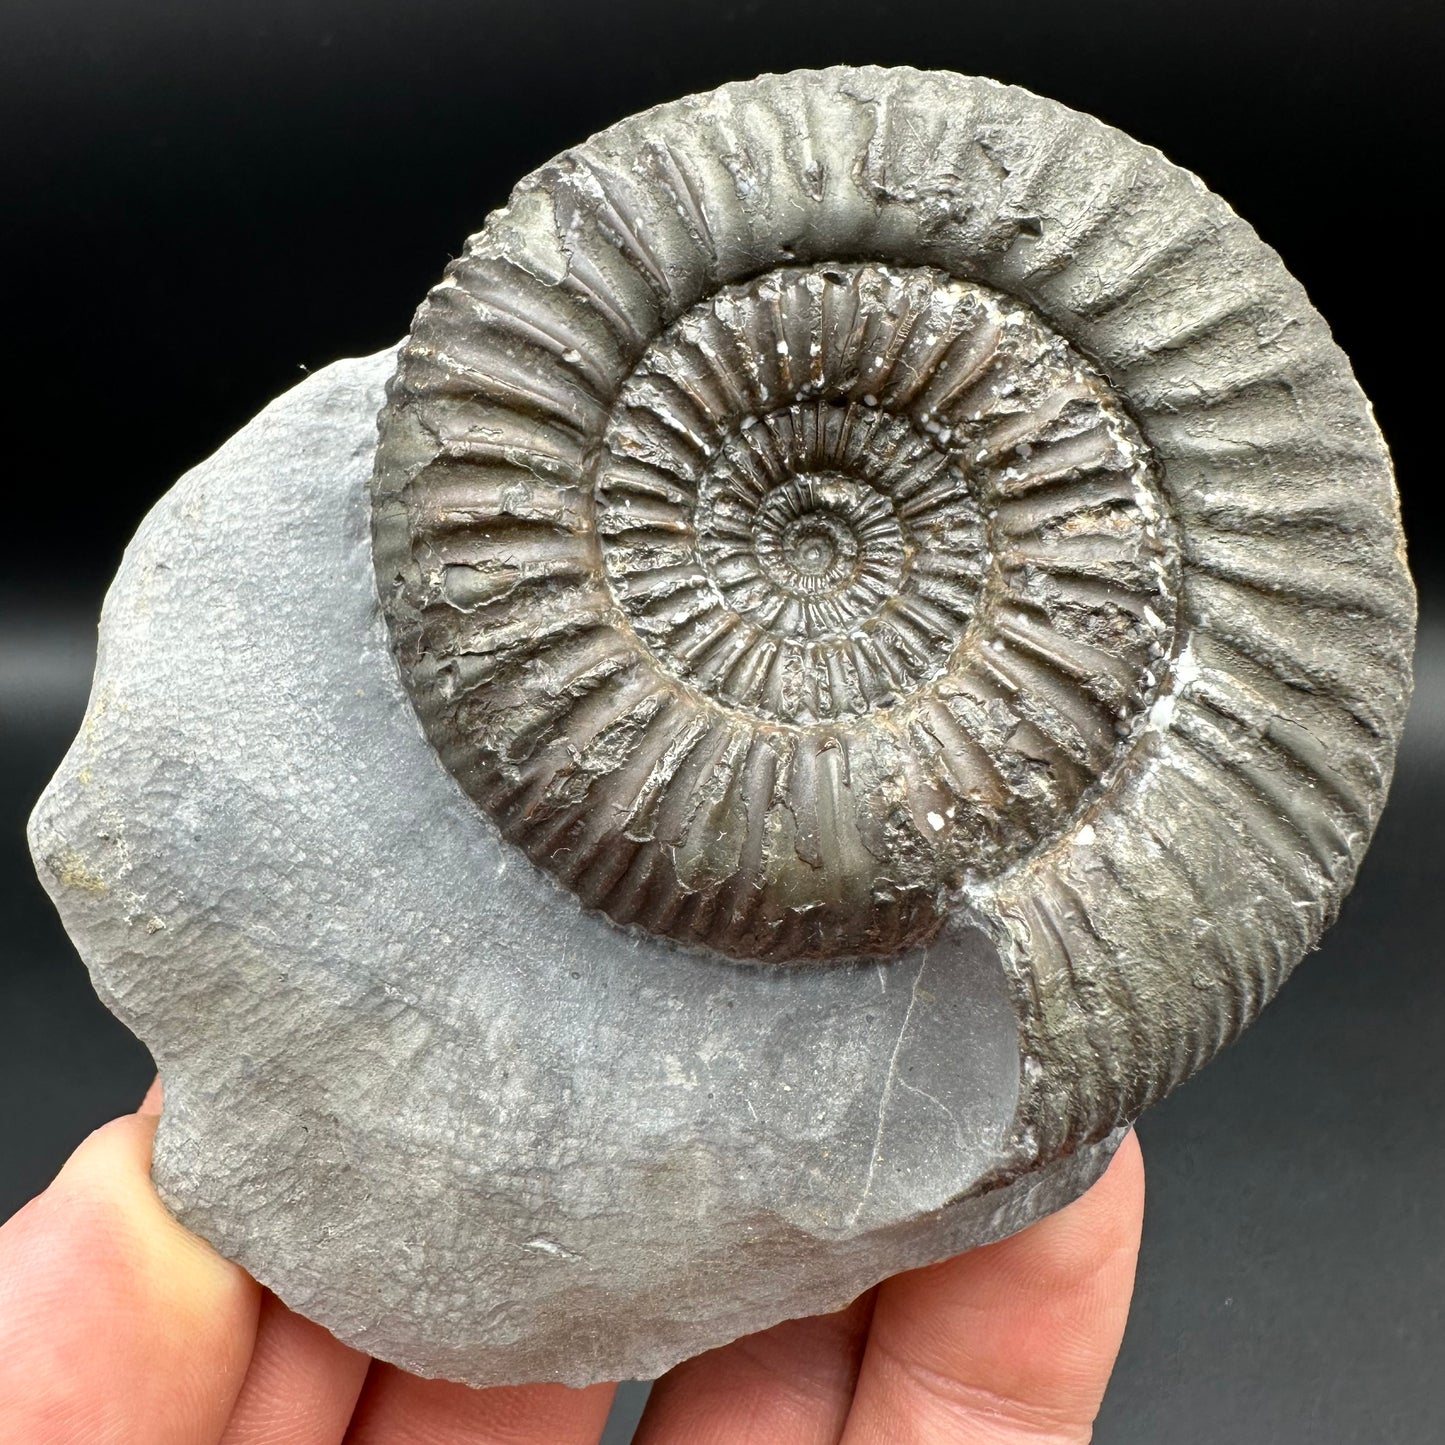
(817, 506)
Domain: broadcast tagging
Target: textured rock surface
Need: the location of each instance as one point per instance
(422, 1091)
(410, 1083)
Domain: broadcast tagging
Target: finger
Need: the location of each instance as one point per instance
(401, 1409)
(791, 1384)
(302, 1384)
(151, 1104)
(116, 1323)
(1010, 1343)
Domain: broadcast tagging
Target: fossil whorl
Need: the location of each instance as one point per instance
(847, 497)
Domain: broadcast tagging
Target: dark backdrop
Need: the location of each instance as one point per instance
(202, 200)
(203, 197)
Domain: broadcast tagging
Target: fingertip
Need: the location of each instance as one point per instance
(154, 1098)
(1083, 1238)
(396, 1408)
(1126, 1168)
(1124, 1182)
(792, 1382)
(107, 1182)
(302, 1384)
(1018, 1336)
(115, 1322)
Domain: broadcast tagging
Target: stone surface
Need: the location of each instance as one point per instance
(410, 1084)
(420, 1089)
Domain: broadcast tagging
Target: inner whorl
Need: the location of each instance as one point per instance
(862, 586)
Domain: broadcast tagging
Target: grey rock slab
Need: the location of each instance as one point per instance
(410, 1084)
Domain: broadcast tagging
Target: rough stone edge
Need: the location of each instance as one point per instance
(997, 1209)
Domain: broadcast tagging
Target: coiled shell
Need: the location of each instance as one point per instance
(845, 497)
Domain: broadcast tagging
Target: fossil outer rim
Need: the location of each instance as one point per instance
(1256, 766)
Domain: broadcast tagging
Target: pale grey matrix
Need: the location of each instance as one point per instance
(855, 644)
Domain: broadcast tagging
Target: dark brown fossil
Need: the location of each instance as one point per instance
(816, 506)
(847, 594)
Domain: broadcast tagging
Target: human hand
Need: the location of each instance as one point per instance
(117, 1327)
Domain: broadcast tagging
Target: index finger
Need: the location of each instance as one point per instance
(1012, 1342)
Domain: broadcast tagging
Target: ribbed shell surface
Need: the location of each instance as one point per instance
(849, 496)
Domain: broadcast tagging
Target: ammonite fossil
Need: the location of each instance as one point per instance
(813, 507)
(868, 638)
(844, 595)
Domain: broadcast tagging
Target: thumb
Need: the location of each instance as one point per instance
(115, 1323)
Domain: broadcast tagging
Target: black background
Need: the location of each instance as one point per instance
(203, 200)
